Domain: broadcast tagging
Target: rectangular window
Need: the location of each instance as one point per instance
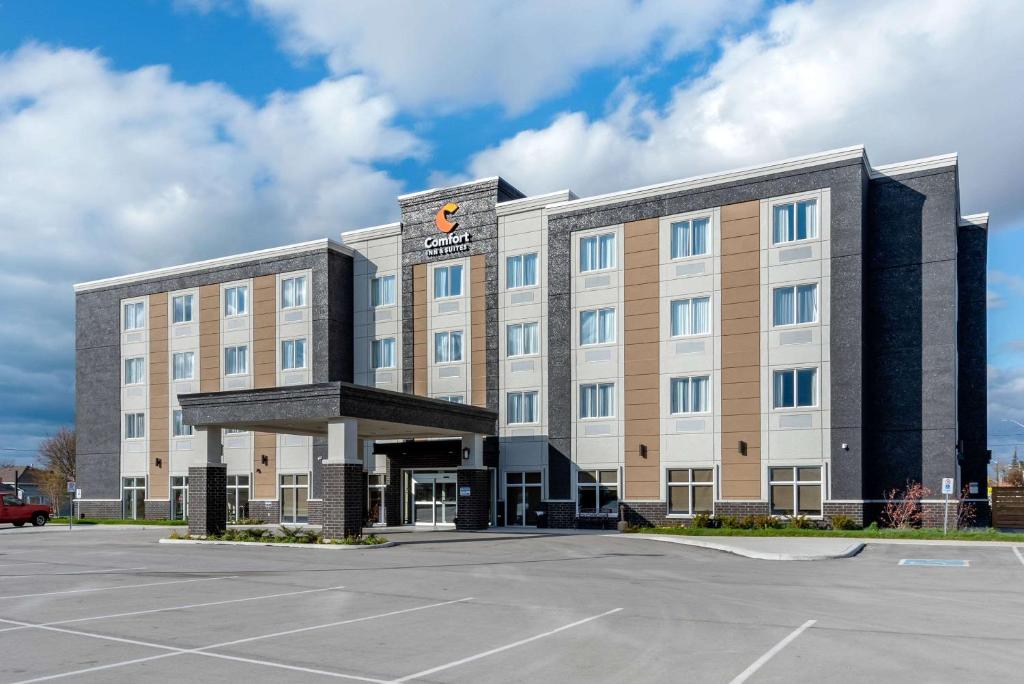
(795, 490)
(236, 360)
(236, 300)
(183, 365)
(794, 221)
(690, 491)
(795, 304)
(597, 492)
(181, 308)
(522, 339)
(135, 316)
(447, 281)
(134, 425)
(180, 428)
(238, 497)
(521, 407)
(597, 400)
(453, 398)
(597, 252)
(521, 271)
(690, 395)
(133, 371)
(382, 291)
(795, 388)
(293, 354)
(293, 292)
(448, 346)
(691, 316)
(383, 352)
(597, 326)
(689, 238)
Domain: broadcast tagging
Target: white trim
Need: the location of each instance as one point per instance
(384, 230)
(980, 220)
(220, 262)
(534, 202)
(744, 173)
(410, 195)
(912, 165)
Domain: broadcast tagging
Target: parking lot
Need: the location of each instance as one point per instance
(111, 604)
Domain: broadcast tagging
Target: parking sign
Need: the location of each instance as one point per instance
(71, 486)
(947, 485)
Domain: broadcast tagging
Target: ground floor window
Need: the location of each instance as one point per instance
(238, 497)
(375, 499)
(690, 491)
(598, 491)
(133, 498)
(179, 498)
(523, 494)
(795, 490)
(295, 498)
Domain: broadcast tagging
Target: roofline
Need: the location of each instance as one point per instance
(980, 220)
(286, 250)
(914, 165)
(854, 152)
(534, 202)
(410, 195)
(384, 229)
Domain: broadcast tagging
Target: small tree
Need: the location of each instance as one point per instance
(1014, 477)
(902, 508)
(57, 456)
(966, 511)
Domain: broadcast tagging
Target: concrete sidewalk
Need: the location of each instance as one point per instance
(765, 548)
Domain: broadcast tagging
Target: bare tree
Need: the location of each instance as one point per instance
(57, 456)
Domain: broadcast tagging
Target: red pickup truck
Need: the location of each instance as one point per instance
(15, 511)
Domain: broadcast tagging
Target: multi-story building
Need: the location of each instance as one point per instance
(796, 338)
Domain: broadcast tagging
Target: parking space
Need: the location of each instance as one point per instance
(113, 605)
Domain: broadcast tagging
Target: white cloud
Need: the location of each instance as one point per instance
(469, 52)
(906, 80)
(1005, 404)
(994, 300)
(106, 172)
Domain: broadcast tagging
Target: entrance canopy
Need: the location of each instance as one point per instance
(307, 410)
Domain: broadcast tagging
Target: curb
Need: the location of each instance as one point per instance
(333, 547)
(849, 552)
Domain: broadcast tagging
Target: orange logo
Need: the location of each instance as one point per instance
(441, 220)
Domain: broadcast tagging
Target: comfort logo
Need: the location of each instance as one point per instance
(443, 214)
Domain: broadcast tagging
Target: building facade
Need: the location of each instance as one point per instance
(796, 338)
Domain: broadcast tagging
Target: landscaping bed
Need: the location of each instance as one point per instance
(283, 536)
(118, 521)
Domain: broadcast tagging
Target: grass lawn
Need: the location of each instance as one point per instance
(118, 521)
(986, 534)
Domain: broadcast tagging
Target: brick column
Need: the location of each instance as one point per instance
(343, 499)
(208, 486)
(474, 512)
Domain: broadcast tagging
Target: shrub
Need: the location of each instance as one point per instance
(873, 527)
(842, 522)
(902, 509)
(702, 520)
(731, 522)
(761, 522)
(802, 522)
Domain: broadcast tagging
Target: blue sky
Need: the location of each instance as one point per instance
(141, 134)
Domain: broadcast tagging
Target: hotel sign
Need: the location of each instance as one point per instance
(450, 242)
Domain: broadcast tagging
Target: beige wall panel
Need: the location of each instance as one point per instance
(742, 261)
(159, 401)
(264, 476)
(736, 326)
(743, 210)
(741, 374)
(264, 334)
(740, 295)
(740, 390)
(741, 310)
(419, 329)
(741, 244)
(209, 338)
(641, 275)
(738, 407)
(478, 326)
(641, 321)
(640, 490)
(641, 382)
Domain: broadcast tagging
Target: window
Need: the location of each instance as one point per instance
(453, 398)
(691, 316)
(795, 490)
(236, 360)
(383, 353)
(179, 498)
(236, 300)
(133, 371)
(521, 271)
(597, 400)
(690, 491)
(382, 291)
(521, 407)
(238, 497)
(522, 339)
(183, 365)
(448, 346)
(597, 326)
(792, 221)
(690, 395)
(597, 252)
(293, 292)
(181, 308)
(134, 425)
(180, 428)
(293, 354)
(689, 238)
(447, 281)
(598, 491)
(795, 388)
(135, 316)
(294, 498)
(133, 497)
(794, 305)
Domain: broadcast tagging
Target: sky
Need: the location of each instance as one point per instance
(135, 135)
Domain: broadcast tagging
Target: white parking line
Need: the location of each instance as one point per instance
(169, 609)
(205, 650)
(756, 665)
(478, 656)
(1020, 556)
(120, 586)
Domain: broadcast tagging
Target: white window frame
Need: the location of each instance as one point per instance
(689, 393)
(707, 237)
(245, 357)
(462, 278)
(596, 237)
(231, 297)
(796, 482)
(178, 426)
(138, 313)
(794, 201)
(380, 344)
(296, 296)
(797, 406)
(452, 398)
(599, 312)
(188, 300)
(288, 353)
(521, 259)
(523, 394)
(138, 420)
(191, 365)
(796, 307)
(523, 326)
(690, 313)
(597, 388)
(449, 335)
(597, 485)
(141, 362)
(375, 283)
(690, 485)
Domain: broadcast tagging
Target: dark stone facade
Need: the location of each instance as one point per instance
(158, 510)
(851, 509)
(343, 507)
(561, 514)
(99, 509)
(474, 511)
(741, 509)
(208, 499)
(267, 511)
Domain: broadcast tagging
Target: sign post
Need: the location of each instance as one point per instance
(71, 503)
(947, 489)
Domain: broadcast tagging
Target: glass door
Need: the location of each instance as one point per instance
(523, 493)
(179, 498)
(133, 498)
(434, 498)
(375, 499)
(444, 503)
(294, 498)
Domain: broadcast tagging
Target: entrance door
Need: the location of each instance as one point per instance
(434, 498)
(375, 499)
(522, 498)
(294, 498)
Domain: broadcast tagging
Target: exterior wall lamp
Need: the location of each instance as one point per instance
(465, 453)
(742, 448)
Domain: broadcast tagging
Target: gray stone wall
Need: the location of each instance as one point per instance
(207, 500)
(267, 511)
(99, 509)
(972, 388)
(474, 511)
(343, 507)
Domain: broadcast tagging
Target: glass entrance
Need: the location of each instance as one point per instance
(294, 498)
(434, 498)
(179, 498)
(522, 498)
(133, 498)
(375, 499)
